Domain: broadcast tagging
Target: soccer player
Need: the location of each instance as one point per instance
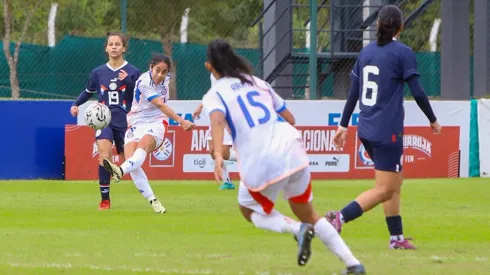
(114, 82)
(228, 153)
(271, 153)
(377, 79)
(148, 122)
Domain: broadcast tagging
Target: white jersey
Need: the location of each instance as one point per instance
(213, 79)
(268, 148)
(143, 111)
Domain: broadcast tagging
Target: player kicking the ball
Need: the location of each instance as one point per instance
(378, 77)
(148, 122)
(228, 153)
(271, 153)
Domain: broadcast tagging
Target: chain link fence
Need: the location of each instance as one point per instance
(59, 69)
(64, 40)
(344, 27)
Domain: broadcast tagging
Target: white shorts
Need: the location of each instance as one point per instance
(156, 129)
(297, 188)
(227, 140)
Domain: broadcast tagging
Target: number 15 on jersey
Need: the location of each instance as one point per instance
(252, 113)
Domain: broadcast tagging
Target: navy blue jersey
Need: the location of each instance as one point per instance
(116, 94)
(382, 72)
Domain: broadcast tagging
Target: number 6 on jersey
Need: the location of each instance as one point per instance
(367, 84)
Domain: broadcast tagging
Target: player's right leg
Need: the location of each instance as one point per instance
(394, 220)
(139, 141)
(104, 140)
(299, 193)
(258, 208)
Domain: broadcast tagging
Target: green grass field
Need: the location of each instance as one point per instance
(54, 227)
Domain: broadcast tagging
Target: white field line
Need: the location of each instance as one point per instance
(110, 268)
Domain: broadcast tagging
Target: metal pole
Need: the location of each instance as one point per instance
(313, 57)
(124, 19)
(261, 50)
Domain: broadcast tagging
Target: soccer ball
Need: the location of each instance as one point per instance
(97, 116)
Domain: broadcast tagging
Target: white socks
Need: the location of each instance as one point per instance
(331, 238)
(134, 162)
(141, 181)
(226, 175)
(276, 222)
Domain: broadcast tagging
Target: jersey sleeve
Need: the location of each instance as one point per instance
(277, 101)
(409, 64)
(213, 102)
(355, 70)
(166, 84)
(147, 91)
(92, 82)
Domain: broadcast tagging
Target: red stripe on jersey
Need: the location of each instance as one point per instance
(122, 87)
(266, 204)
(103, 87)
(303, 198)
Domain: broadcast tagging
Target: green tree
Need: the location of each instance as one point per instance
(87, 17)
(417, 34)
(229, 19)
(16, 22)
(162, 22)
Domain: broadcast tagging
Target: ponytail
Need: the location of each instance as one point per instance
(386, 31)
(227, 62)
(390, 21)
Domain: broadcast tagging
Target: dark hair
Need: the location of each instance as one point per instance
(158, 57)
(227, 62)
(390, 20)
(122, 36)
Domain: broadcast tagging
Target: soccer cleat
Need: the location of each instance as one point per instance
(158, 207)
(304, 238)
(115, 171)
(334, 218)
(227, 186)
(105, 205)
(356, 269)
(405, 244)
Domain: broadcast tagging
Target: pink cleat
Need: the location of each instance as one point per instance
(405, 244)
(335, 219)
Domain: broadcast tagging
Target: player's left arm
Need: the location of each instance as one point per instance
(411, 76)
(280, 106)
(352, 98)
(217, 112)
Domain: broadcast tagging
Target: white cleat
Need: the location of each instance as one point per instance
(158, 207)
(115, 171)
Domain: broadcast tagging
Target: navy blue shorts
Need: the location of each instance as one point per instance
(113, 134)
(387, 155)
